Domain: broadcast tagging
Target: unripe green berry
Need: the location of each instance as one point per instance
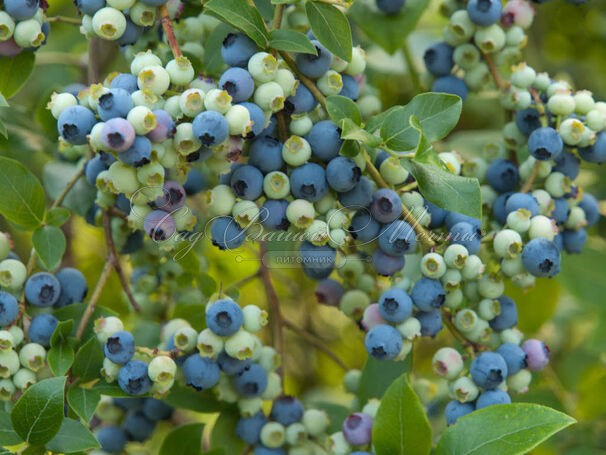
(276, 185)
(7, 341)
(7, 26)
(24, 378)
(596, 120)
(354, 302)
(300, 124)
(152, 176)
(32, 356)
(296, 433)
(162, 369)
(478, 76)
(154, 78)
(184, 140)
(576, 219)
(109, 23)
(490, 39)
(351, 380)
(249, 406)
(451, 279)
(464, 389)
(110, 370)
(296, 151)
(142, 119)
(467, 56)
(542, 227)
(519, 220)
(410, 328)
(185, 339)
(180, 71)
(238, 120)
(330, 83)
(454, 298)
(466, 320)
(472, 268)
(491, 286)
(393, 172)
(511, 336)
(523, 76)
(318, 233)
(433, 265)
(269, 96)
(520, 381)
(146, 97)
(17, 334)
(274, 386)
(338, 445)
(456, 256)
(12, 274)
(220, 200)
(507, 244)
(300, 213)
(263, 67)
(447, 363)
(315, 421)
(218, 100)
(9, 364)
(412, 199)
(191, 102)
(254, 318)
(337, 238)
(273, 434)
(28, 33)
(240, 345)
(7, 389)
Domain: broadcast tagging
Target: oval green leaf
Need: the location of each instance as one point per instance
(341, 107)
(73, 436)
(89, 361)
(22, 200)
(242, 16)
(83, 401)
(14, 72)
(49, 242)
(8, 437)
(377, 376)
(183, 439)
(292, 41)
(60, 358)
(330, 26)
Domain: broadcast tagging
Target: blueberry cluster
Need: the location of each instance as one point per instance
(23, 26)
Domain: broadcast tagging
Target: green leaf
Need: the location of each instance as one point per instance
(73, 436)
(49, 242)
(61, 332)
(504, 429)
(60, 358)
(447, 190)
(377, 376)
(213, 62)
(532, 317)
(340, 107)
(83, 401)
(183, 439)
(55, 176)
(350, 148)
(75, 311)
(242, 16)
(330, 26)
(194, 313)
(3, 102)
(57, 216)
(111, 390)
(188, 398)
(38, 414)
(291, 41)
(425, 153)
(265, 8)
(22, 200)
(438, 114)
(8, 437)
(14, 73)
(223, 432)
(3, 130)
(401, 425)
(375, 122)
(89, 361)
(351, 131)
(388, 31)
(207, 284)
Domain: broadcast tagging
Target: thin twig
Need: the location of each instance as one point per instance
(94, 298)
(278, 14)
(169, 31)
(412, 69)
(494, 71)
(533, 174)
(306, 81)
(94, 46)
(65, 20)
(315, 341)
(470, 347)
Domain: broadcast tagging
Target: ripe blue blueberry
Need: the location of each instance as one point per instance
(238, 83)
(157, 409)
(386, 205)
(537, 354)
(357, 429)
(438, 59)
(484, 12)
(115, 103)
(437, 215)
(522, 201)
(237, 49)
(286, 410)
(165, 126)
(514, 356)
(118, 134)
(342, 173)
(325, 140)
(301, 102)
(265, 154)
(351, 88)
(224, 317)
(386, 264)
(364, 228)
(545, 143)
(42, 289)
(173, 197)
(491, 397)
(574, 241)
(120, 347)
(73, 286)
(41, 329)
(249, 428)
(541, 258)
(383, 342)
(390, 7)
(395, 305)
(329, 292)
(397, 238)
(247, 182)
(498, 207)
(21, 10)
(273, 215)
(502, 175)
(257, 116)
(528, 120)
(9, 309)
(314, 66)
(159, 225)
(75, 123)
(452, 85)
(488, 370)
(590, 206)
(138, 427)
(561, 210)
(318, 261)
(131, 34)
(308, 182)
(508, 317)
(595, 153)
(195, 182)
(230, 365)
(568, 164)
(431, 322)
(226, 233)
(428, 294)
(93, 168)
(251, 381)
(262, 450)
(359, 196)
(123, 81)
(210, 127)
(465, 234)
(112, 438)
(138, 154)
(200, 372)
(455, 409)
(133, 378)
(452, 218)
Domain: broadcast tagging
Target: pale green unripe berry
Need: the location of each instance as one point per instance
(523, 281)
(254, 318)
(357, 64)
(479, 332)
(60, 101)
(142, 14)
(245, 213)
(454, 298)
(28, 33)
(7, 26)
(220, 200)
(523, 76)
(269, 96)
(17, 334)
(490, 39)
(318, 233)
(326, 203)
(240, 345)
(512, 267)
(171, 327)
(109, 23)
(369, 105)
(32, 356)
(185, 339)
(238, 120)
(263, 67)
(351, 267)
(433, 265)
(269, 358)
(249, 406)
(337, 238)
(544, 201)
(184, 140)
(224, 390)
(513, 136)
(372, 407)
(146, 97)
(451, 279)
(558, 86)
(456, 256)
(172, 106)
(338, 64)
(142, 119)
(315, 421)
(595, 120)
(296, 433)
(180, 71)
(542, 227)
(105, 327)
(576, 219)
(557, 184)
(287, 81)
(354, 302)
(472, 268)
(489, 309)
(584, 102)
(542, 81)
(491, 286)
(5, 246)
(572, 131)
(7, 388)
(475, 167)
(520, 381)
(461, 26)
(447, 363)
(167, 155)
(464, 389)
(162, 369)
(300, 124)
(12, 274)
(24, 378)
(337, 219)
(478, 76)
(120, 4)
(191, 102)
(511, 336)
(466, 320)
(516, 37)
(9, 364)
(7, 341)
(296, 151)
(466, 55)
(154, 78)
(519, 220)
(392, 171)
(351, 380)
(366, 282)
(338, 445)
(452, 162)
(274, 386)
(300, 213)
(561, 103)
(209, 344)
(218, 100)
(110, 370)
(330, 83)
(489, 195)
(273, 434)
(507, 244)
(276, 185)
(152, 176)
(412, 199)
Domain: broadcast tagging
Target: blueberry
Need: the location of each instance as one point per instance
(309, 182)
(455, 409)
(257, 116)
(559, 241)
(514, 356)
(437, 215)
(247, 182)
(574, 241)
(325, 140)
(200, 372)
(537, 354)
(112, 438)
(238, 83)
(93, 168)
(138, 427)
(9, 309)
(286, 410)
(561, 210)
(383, 342)
(42, 289)
(122, 203)
(488, 370)
(21, 10)
(541, 258)
(159, 225)
(117, 134)
(262, 450)
(75, 123)
(528, 120)
(381, 156)
(364, 228)
(195, 182)
(120, 347)
(249, 428)
(226, 233)
(431, 322)
(123, 81)
(568, 164)
(595, 153)
(351, 88)
(173, 197)
(386, 264)
(230, 365)
(386, 205)
(502, 175)
(428, 294)
(133, 378)
(438, 59)
(452, 218)
(273, 215)
(224, 317)
(508, 317)
(73, 286)
(465, 234)
(210, 127)
(491, 397)
(251, 381)
(397, 238)
(314, 66)
(130, 403)
(237, 49)
(138, 154)
(590, 206)
(522, 201)
(117, 102)
(395, 305)
(357, 429)
(452, 85)
(41, 329)
(265, 154)
(131, 34)
(318, 261)
(484, 12)
(545, 143)
(329, 292)
(359, 196)
(157, 409)
(301, 102)
(342, 173)
(390, 7)
(498, 207)
(165, 126)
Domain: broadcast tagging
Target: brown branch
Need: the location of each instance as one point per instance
(470, 347)
(278, 14)
(528, 185)
(169, 31)
(494, 71)
(94, 47)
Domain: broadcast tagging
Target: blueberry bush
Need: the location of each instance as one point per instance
(320, 227)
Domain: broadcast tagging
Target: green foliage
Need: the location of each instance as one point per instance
(88, 361)
(183, 439)
(330, 26)
(341, 107)
(22, 200)
(83, 401)
(292, 41)
(221, 436)
(57, 216)
(49, 242)
(188, 398)
(351, 131)
(14, 73)
(242, 16)
(8, 436)
(377, 376)
(72, 437)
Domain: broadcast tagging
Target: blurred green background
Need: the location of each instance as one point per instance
(569, 312)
